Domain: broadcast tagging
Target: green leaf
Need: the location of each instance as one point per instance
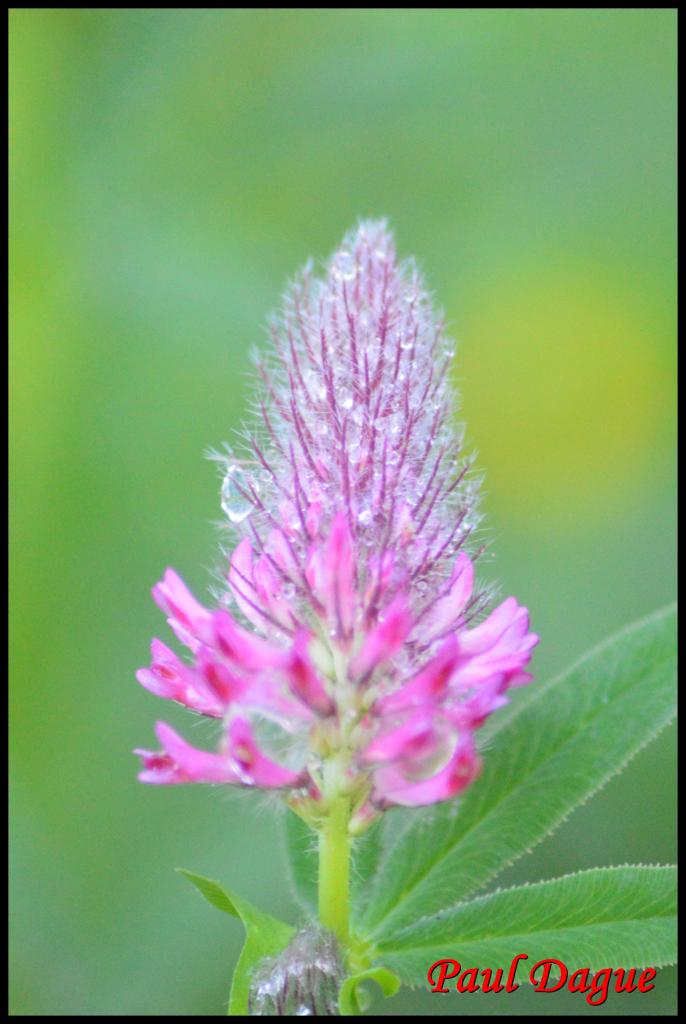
(353, 1000)
(607, 917)
(264, 936)
(213, 892)
(367, 852)
(543, 760)
(301, 850)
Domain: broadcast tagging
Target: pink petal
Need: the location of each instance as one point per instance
(254, 767)
(274, 700)
(269, 587)
(382, 642)
(245, 650)
(417, 739)
(168, 677)
(507, 616)
(521, 679)
(341, 572)
(313, 518)
(242, 584)
(330, 572)
(187, 617)
(303, 678)
(250, 691)
(473, 712)
(428, 686)
(315, 573)
(405, 525)
(158, 768)
(196, 765)
(258, 589)
(220, 680)
(500, 644)
(279, 549)
(380, 575)
(391, 787)
(288, 517)
(446, 611)
(179, 762)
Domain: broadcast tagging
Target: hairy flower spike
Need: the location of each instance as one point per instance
(303, 981)
(360, 672)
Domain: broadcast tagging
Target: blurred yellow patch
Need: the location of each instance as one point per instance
(565, 386)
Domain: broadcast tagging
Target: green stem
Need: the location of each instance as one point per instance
(334, 870)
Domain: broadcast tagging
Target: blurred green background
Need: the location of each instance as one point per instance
(169, 171)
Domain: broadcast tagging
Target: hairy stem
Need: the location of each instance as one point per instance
(334, 870)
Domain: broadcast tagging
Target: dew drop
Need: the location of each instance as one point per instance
(315, 385)
(344, 266)
(234, 488)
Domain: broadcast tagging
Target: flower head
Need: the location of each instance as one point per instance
(349, 653)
